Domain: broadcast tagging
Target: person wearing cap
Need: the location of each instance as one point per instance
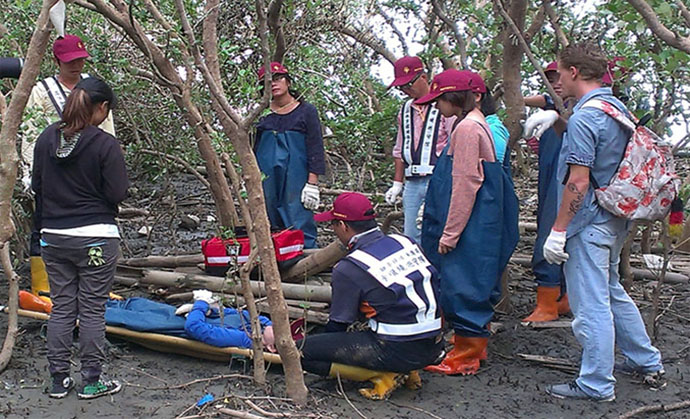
(552, 301)
(470, 222)
(289, 151)
(422, 134)
(44, 107)
(487, 105)
(386, 280)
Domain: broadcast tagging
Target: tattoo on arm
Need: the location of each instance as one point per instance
(576, 203)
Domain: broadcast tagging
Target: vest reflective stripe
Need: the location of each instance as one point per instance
(394, 269)
(420, 161)
(56, 93)
(405, 329)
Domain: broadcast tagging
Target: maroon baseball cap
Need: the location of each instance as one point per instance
(451, 80)
(406, 69)
(478, 85)
(69, 48)
(552, 66)
(276, 68)
(613, 70)
(348, 206)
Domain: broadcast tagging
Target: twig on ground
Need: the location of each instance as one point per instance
(419, 409)
(342, 392)
(239, 414)
(197, 381)
(149, 375)
(656, 408)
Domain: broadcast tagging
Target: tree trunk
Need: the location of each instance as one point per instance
(11, 119)
(512, 60)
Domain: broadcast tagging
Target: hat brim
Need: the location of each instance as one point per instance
(428, 98)
(71, 56)
(401, 81)
(324, 216)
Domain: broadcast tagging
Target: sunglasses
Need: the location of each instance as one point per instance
(411, 82)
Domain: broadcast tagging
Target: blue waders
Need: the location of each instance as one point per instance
(547, 274)
(471, 272)
(282, 157)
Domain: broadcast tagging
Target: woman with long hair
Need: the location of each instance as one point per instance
(289, 150)
(79, 178)
(469, 228)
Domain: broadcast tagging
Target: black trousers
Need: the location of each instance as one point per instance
(365, 349)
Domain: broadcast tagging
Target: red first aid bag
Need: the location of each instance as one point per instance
(220, 253)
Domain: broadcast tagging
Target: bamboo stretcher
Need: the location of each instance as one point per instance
(170, 344)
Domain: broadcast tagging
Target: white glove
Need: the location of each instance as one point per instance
(184, 309)
(554, 248)
(310, 196)
(57, 17)
(393, 192)
(204, 295)
(420, 217)
(538, 123)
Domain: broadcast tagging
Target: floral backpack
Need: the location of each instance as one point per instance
(646, 181)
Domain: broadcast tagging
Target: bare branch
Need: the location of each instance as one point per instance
(363, 37)
(553, 18)
(266, 53)
(684, 11)
(536, 25)
(459, 40)
(671, 38)
(389, 20)
(210, 39)
(216, 90)
(518, 35)
(276, 28)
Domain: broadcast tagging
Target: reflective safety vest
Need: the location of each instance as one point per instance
(56, 93)
(419, 161)
(407, 273)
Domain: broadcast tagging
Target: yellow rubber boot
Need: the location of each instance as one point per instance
(384, 382)
(414, 381)
(39, 278)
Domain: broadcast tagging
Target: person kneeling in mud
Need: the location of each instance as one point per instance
(235, 329)
(387, 280)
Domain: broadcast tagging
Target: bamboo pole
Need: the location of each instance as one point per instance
(175, 279)
(169, 344)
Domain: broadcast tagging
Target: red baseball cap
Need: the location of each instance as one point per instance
(610, 74)
(276, 68)
(406, 69)
(451, 80)
(348, 206)
(552, 66)
(478, 85)
(69, 48)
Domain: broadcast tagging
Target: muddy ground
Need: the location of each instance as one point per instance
(161, 385)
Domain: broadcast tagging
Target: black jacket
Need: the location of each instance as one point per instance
(81, 188)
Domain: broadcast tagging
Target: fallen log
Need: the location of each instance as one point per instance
(163, 261)
(175, 279)
(171, 344)
(638, 273)
(316, 262)
(671, 277)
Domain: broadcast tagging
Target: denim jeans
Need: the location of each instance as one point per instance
(604, 313)
(413, 198)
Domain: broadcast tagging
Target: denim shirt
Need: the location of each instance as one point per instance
(595, 140)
